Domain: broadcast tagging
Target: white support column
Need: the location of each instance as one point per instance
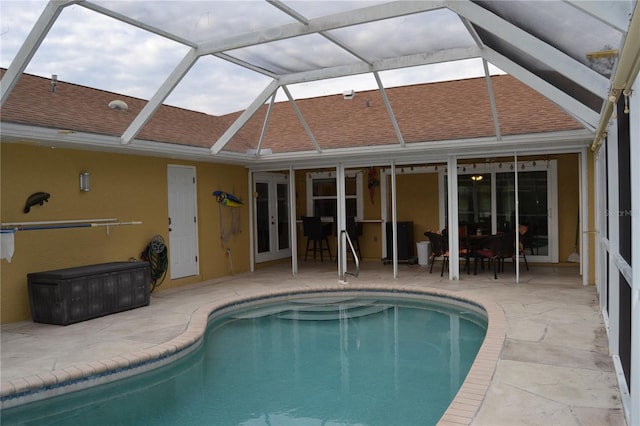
(517, 224)
(601, 220)
(292, 221)
(252, 206)
(584, 218)
(341, 220)
(614, 238)
(384, 213)
(394, 219)
(634, 130)
(452, 225)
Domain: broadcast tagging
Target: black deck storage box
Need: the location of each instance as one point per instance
(70, 295)
(405, 241)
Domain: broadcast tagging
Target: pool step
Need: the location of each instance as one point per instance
(330, 313)
(317, 312)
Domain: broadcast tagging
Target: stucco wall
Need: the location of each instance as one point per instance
(568, 203)
(129, 188)
(418, 201)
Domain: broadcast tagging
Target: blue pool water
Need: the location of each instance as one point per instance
(305, 362)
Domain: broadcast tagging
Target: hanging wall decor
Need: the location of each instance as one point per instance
(37, 198)
(227, 230)
(373, 182)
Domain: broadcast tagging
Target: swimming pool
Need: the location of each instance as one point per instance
(340, 360)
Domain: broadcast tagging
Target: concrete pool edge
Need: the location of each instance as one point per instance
(462, 410)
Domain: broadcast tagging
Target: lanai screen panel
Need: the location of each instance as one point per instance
(425, 32)
(298, 54)
(316, 9)
(541, 70)
(564, 27)
(199, 21)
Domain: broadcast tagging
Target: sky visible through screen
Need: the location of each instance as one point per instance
(89, 49)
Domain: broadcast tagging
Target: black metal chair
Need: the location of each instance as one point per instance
(314, 230)
(525, 241)
(439, 246)
(438, 249)
(508, 248)
(490, 249)
(497, 248)
(465, 248)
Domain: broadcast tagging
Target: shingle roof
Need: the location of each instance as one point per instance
(425, 112)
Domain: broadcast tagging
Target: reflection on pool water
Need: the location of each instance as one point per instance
(313, 361)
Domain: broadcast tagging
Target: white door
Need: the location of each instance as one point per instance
(183, 221)
(271, 218)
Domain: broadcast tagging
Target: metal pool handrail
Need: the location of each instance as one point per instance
(342, 270)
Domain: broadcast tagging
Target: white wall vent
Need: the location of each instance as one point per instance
(349, 94)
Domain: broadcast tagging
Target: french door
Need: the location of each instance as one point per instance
(271, 218)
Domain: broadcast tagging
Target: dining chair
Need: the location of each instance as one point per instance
(314, 230)
(508, 248)
(490, 249)
(438, 249)
(465, 248)
(525, 241)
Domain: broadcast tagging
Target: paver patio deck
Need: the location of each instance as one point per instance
(553, 368)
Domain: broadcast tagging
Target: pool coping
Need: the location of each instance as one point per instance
(461, 411)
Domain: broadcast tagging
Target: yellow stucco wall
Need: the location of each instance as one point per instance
(126, 187)
(568, 203)
(418, 201)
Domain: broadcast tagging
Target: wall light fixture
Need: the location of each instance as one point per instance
(85, 182)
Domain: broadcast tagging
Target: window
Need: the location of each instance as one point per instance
(322, 194)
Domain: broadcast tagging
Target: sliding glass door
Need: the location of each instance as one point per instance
(474, 202)
(487, 204)
(533, 197)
